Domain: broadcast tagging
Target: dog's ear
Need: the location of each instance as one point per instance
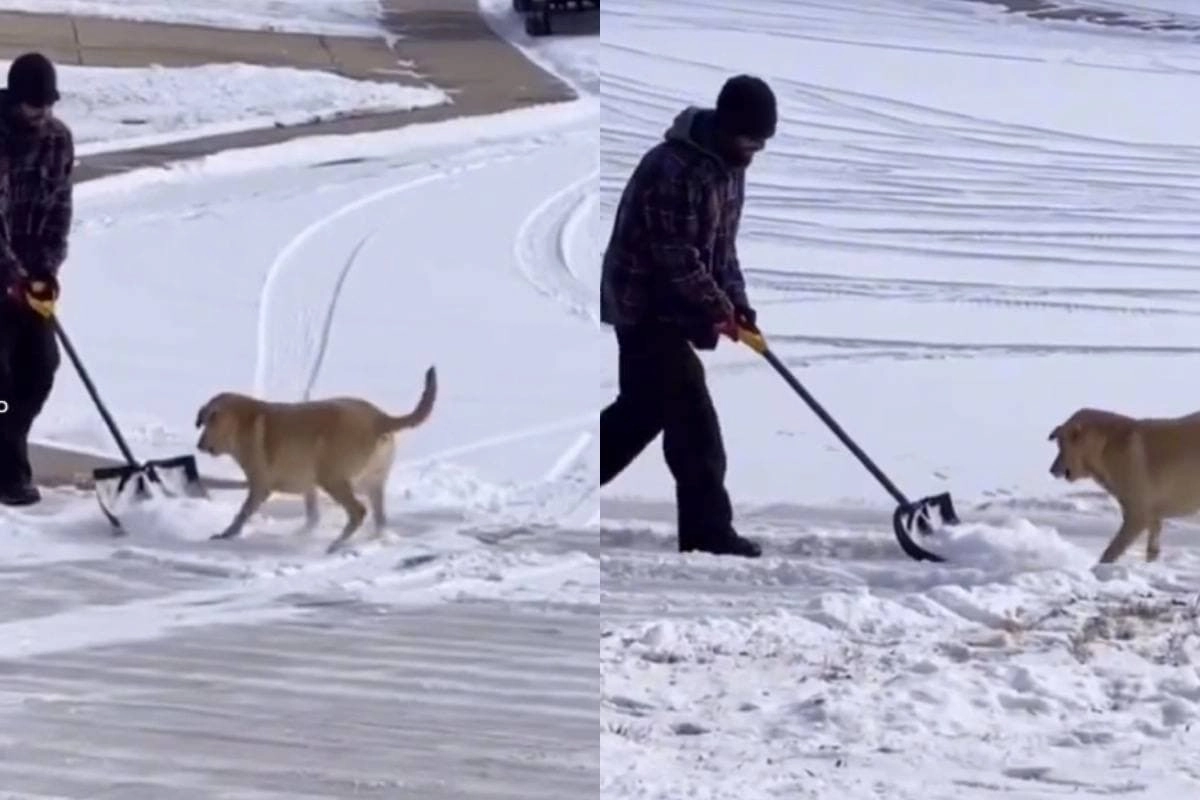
(206, 410)
(1054, 433)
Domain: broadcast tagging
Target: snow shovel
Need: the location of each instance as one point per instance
(112, 483)
(909, 515)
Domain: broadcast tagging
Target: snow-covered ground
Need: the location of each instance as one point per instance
(970, 224)
(116, 108)
(456, 657)
(331, 17)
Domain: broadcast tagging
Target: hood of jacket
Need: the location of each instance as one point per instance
(696, 127)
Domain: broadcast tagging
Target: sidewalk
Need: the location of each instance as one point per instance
(443, 42)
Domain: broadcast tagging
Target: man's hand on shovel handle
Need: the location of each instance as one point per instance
(742, 319)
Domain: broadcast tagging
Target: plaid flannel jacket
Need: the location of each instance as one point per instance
(35, 196)
(672, 254)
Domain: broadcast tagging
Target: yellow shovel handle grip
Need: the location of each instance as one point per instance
(40, 302)
(755, 341)
(43, 307)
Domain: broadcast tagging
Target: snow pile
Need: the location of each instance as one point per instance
(120, 108)
(851, 673)
(1015, 545)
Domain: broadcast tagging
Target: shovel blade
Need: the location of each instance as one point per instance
(115, 488)
(118, 486)
(923, 516)
(931, 513)
(178, 476)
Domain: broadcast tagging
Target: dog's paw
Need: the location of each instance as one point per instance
(338, 546)
(222, 535)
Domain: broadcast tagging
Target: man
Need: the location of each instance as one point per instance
(671, 282)
(37, 154)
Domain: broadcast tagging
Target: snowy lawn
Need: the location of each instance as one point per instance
(969, 225)
(119, 108)
(330, 17)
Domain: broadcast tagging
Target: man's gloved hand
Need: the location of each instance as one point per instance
(38, 293)
(743, 318)
(746, 317)
(728, 327)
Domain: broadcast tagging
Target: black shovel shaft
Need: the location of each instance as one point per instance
(95, 395)
(866, 461)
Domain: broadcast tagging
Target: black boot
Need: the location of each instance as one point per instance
(729, 544)
(21, 494)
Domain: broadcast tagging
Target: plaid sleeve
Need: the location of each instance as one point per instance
(732, 280)
(9, 265)
(8, 259)
(58, 204)
(674, 214)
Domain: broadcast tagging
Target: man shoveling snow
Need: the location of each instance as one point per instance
(36, 158)
(671, 283)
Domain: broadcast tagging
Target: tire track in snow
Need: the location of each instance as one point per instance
(543, 246)
(573, 422)
(816, 287)
(973, 192)
(327, 326)
(581, 214)
(287, 361)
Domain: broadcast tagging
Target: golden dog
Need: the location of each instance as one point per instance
(335, 445)
(1151, 467)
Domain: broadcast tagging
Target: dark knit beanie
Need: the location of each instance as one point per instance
(746, 107)
(32, 80)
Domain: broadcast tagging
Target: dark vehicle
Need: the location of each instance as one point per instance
(539, 14)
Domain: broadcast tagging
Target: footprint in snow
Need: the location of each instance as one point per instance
(688, 729)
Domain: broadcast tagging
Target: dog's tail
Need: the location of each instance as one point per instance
(421, 412)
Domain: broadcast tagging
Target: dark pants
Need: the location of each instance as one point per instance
(663, 390)
(28, 360)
